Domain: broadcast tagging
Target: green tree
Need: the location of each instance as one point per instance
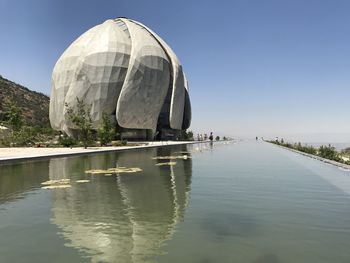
(190, 135)
(15, 119)
(217, 138)
(81, 118)
(186, 135)
(105, 133)
(26, 136)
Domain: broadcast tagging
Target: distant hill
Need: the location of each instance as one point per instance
(34, 105)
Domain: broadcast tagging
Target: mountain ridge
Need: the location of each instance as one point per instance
(34, 105)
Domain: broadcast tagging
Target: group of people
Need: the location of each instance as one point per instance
(201, 137)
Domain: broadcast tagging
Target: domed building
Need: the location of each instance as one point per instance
(124, 69)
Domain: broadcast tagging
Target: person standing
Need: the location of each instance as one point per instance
(211, 137)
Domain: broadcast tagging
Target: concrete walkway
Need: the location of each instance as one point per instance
(15, 154)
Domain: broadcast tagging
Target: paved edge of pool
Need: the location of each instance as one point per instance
(341, 165)
(89, 150)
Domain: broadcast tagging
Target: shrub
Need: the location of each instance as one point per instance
(186, 136)
(66, 140)
(105, 133)
(81, 118)
(5, 142)
(26, 136)
(119, 143)
(14, 118)
(328, 152)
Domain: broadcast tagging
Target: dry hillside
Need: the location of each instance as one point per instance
(34, 105)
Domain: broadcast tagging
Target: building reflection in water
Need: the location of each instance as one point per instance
(124, 217)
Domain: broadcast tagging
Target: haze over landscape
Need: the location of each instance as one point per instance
(272, 68)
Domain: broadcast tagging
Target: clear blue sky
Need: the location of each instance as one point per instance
(268, 67)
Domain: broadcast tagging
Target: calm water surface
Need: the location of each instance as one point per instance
(242, 202)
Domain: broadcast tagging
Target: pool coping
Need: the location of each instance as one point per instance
(90, 150)
(338, 164)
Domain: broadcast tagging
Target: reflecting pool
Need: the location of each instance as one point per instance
(227, 202)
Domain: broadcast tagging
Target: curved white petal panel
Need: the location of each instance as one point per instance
(178, 90)
(177, 100)
(63, 75)
(146, 82)
(187, 109)
(101, 71)
(97, 74)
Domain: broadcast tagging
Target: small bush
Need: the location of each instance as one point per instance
(26, 136)
(119, 143)
(329, 152)
(66, 141)
(105, 133)
(5, 142)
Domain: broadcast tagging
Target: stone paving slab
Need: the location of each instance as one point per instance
(14, 154)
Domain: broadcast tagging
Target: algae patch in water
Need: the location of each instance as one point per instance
(116, 170)
(56, 182)
(167, 163)
(82, 181)
(185, 157)
(56, 186)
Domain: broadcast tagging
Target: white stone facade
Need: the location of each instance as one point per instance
(122, 68)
